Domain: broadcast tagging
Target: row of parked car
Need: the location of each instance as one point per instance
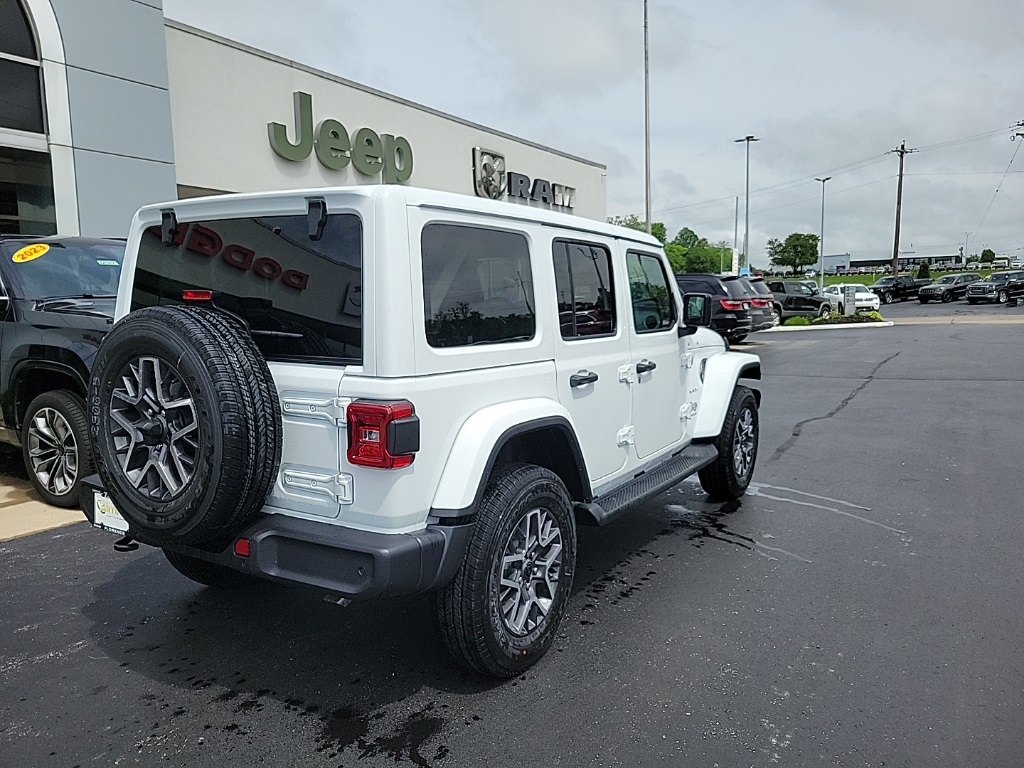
(745, 305)
(997, 287)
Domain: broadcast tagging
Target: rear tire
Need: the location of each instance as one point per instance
(776, 316)
(729, 475)
(500, 613)
(737, 338)
(923, 300)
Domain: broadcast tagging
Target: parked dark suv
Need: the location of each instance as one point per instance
(733, 314)
(56, 302)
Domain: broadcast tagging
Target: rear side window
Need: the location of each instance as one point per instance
(300, 298)
(653, 306)
(477, 286)
(583, 281)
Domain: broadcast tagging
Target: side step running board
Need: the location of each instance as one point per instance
(604, 509)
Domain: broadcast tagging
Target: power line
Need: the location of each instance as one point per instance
(978, 230)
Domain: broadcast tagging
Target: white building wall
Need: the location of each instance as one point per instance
(224, 95)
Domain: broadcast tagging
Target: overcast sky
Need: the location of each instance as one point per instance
(828, 86)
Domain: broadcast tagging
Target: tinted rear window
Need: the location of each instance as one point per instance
(300, 297)
(700, 285)
(738, 289)
(760, 287)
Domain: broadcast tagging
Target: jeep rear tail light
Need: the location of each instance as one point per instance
(730, 305)
(382, 434)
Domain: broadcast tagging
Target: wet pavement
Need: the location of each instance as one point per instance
(860, 606)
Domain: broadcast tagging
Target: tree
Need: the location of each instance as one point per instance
(686, 237)
(987, 255)
(798, 251)
(923, 271)
(635, 222)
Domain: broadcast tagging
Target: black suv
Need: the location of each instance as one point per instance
(733, 312)
(57, 299)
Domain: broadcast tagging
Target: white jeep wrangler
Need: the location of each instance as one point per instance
(383, 390)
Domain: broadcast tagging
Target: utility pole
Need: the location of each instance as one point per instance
(964, 252)
(901, 150)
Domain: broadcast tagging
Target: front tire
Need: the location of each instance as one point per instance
(923, 300)
(776, 316)
(887, 298)
(729, 475)
(947, 297)
(500, 613)
(1003, 297)
(55, 446)
(825, 312)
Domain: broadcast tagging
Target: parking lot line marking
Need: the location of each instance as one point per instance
(757, 492)
(811, 495)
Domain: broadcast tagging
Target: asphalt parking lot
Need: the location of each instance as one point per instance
(859, 607)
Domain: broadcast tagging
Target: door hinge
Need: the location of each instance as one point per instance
(625, 435)
(688, 411)
(686, 360)
(328, 409)
(338, 487)
(626, 374)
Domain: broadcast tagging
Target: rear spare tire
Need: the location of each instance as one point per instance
(185, 423)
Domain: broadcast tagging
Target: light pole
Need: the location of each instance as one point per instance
(821, 239)
(647, 127)
(746, 203)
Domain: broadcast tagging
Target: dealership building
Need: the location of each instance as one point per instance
(107, 106)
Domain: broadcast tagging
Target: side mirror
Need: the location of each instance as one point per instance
(696, 312)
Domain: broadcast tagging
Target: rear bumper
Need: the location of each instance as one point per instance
(358, 565)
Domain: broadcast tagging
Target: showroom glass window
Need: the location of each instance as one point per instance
(26, 178)
(21, 107)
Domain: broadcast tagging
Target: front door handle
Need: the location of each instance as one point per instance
(582, 378)
(645, 365)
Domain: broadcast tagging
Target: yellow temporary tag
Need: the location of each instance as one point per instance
(29, 252)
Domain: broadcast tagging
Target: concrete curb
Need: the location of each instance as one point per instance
(835, 327)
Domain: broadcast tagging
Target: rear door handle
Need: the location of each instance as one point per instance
(645, 365)
(581, 379)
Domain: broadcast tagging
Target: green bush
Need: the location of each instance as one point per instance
(798, 321)
(861, 316)
(923, 272)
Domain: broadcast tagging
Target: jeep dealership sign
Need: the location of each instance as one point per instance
(369, 153)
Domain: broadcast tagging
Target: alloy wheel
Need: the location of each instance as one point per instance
(154, 428)
(53, 451)
(531, 566)
(744, 443)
